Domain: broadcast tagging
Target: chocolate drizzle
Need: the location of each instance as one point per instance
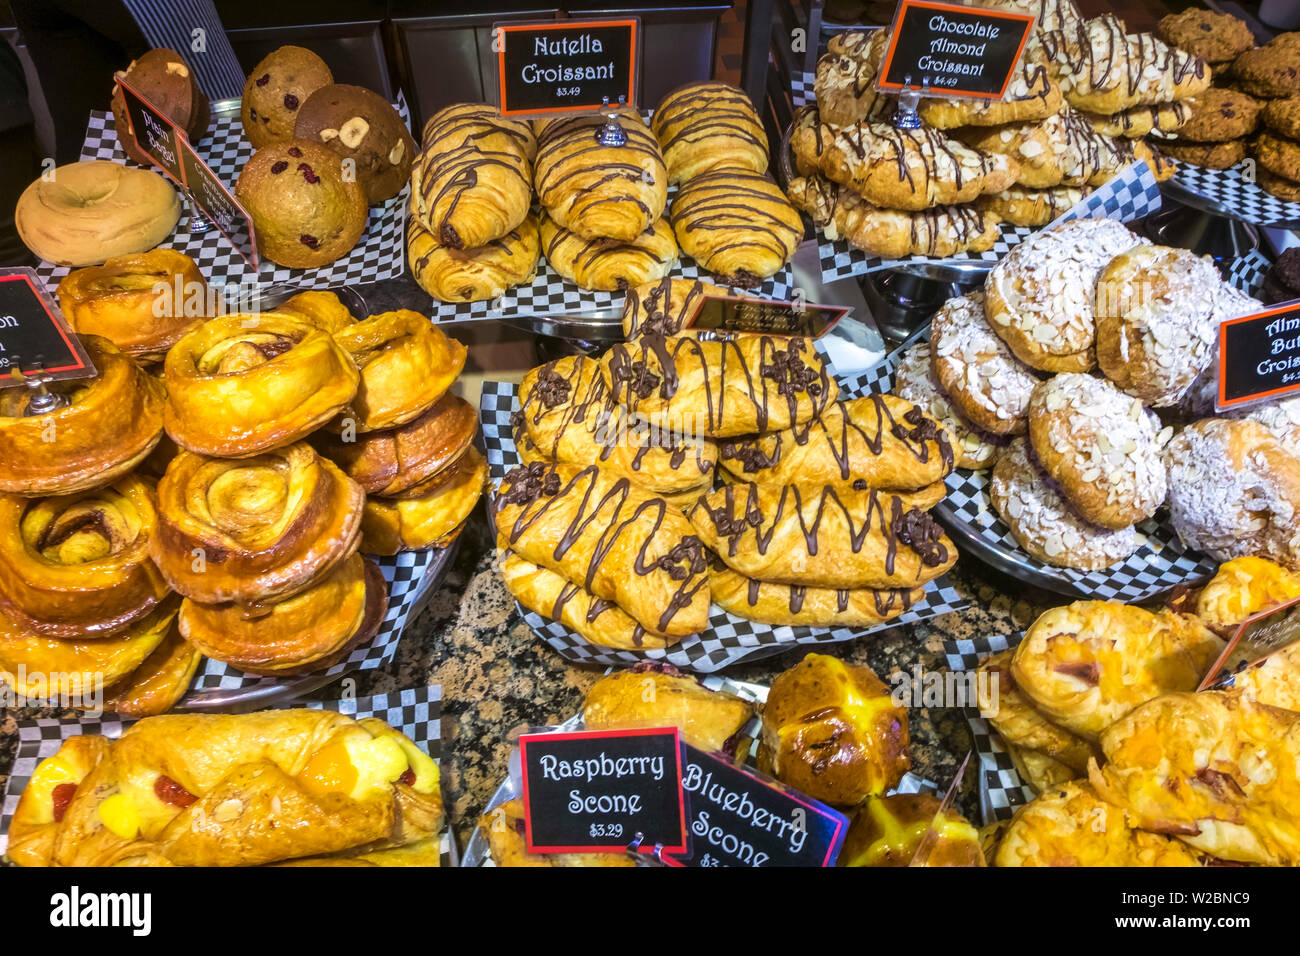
(922, 534)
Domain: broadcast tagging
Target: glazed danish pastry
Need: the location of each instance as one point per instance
(141, 303)
(472, 182)
(601, 532)
(159, 683)
(826, 536)
(471, 275)
(428, 515)
(77, 566)
(663, 307)
(597, 191)
(253, 529)
(240, 385)
(705, 126)
(308, 631)
(654, 694)
(745, 384)
(798, 605)
(609, 264)
(406, 365)
(109, 425)
(736, 224)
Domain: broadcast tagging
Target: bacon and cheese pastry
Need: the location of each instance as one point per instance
(825, 536)
(898, 168)
(1039, 771)
(664, 306)
(892, 233)
(609, 265)
(1032, 95)
(1032, 207)
(77, 566)
(1061, 150)
(799, 605)
(1039, 297)
(914, 381)
(1021, 725)
(406, 364)
(595, 619)
(1215, 769)
(508, 844)
(832, 730)
(845, 80)
(228, 790)
(428, 515)
(253, 529)
(889, 830)
(393, 461)
(876, 441)
(721, 389)
(109, 424)
(157, 685)
(597, 191)
(1241, 588)
(240, 385)
(472, 275)
(602, 532)
(706, 126)
(1087, 664)
(142, 303)
(652, 694)
(310, 630)
(1104, 69)
(736, 224)
(1070, 825)
(321, 308)
(472, 181)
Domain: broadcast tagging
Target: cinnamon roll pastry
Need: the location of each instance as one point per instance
(596, 620)
(943, 231)
(596, 191)
(737, 224)
(800, 605)
(321, 308)
(228, 790)
(570, 415)
(471, 275)
(93, 663)
(663, 307)
(1032, 95)
(309, 631)
(253, 529)
(142, 303)
(1032, 207)
(429, 515)
(600, 531)
(882, 441)
(706, 126)
(240, 385)
(472, 182)
(109, 425)
(825, 536)
(897, 168)
(77, 566)
(393, 462)
(609, 264)
(845, 80)
(406, 365)
(1062, 150)
(157, 685)
(720, 389)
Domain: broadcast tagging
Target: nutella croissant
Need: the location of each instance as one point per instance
(744, 384)
(609, 264)
(826, 536)
(471, 275)
(240, 385)
(254, 528)
(228, 790)
(736, 224)
(109, 424)
(601, 532)
(597, 191)
(706, 126)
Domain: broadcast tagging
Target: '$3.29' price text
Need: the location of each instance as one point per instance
(606, 830)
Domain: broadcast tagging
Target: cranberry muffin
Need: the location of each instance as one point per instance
(276, 90)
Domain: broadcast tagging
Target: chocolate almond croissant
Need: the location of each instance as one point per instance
(228, 790)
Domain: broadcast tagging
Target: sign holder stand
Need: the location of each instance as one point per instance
(611, 134)
(42, 400)
(909, 99)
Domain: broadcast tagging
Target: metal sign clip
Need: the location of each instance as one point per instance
(611, 134)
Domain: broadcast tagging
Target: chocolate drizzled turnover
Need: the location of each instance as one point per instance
(651, 310)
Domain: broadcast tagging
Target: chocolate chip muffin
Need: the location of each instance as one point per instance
(164, 79)
(1283, 116)
(1272, 70)
(1214, 37)
(1209, 155)
(1219, 115)
(360, 125)
(276, 90)
(305, 213)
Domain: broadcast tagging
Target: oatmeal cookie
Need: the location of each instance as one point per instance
(1283, 116)
(1209, 155)
(1279, 155)
(1279, 186)
(1214, 37)
(1220, 115)
(1271, 70)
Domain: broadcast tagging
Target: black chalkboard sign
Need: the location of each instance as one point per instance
(726, 313)
(566, 66)
(737, 818)
(1259, 355)
(597, 790)
(957, 50)
(33, 334)
(210, 194)
(154, 133)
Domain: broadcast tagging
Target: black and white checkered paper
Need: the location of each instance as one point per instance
(802, 88)
(416, 712)
(380, 254)
(728, 639)
(1247, 272)
(1233, 192)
